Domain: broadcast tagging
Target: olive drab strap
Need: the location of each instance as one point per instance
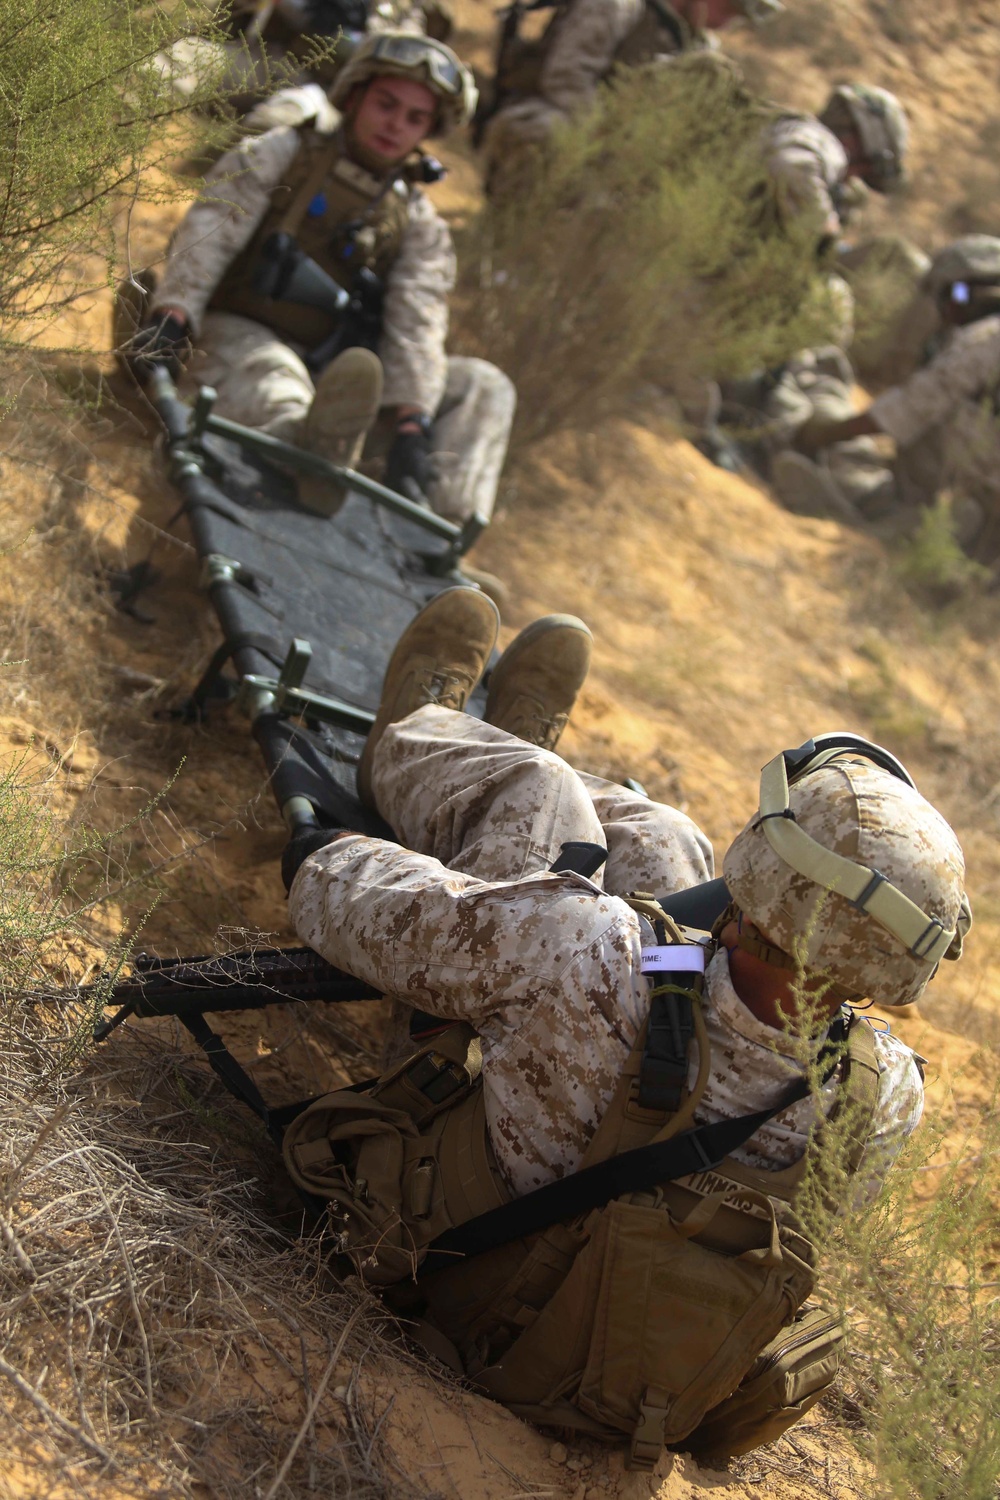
(397, 1165)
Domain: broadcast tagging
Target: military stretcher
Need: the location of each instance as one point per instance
(309, 608)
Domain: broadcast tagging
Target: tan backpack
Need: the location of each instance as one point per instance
(668, 1310)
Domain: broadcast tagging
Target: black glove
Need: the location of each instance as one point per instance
(300, 847)
(409, 461)
(164, 342)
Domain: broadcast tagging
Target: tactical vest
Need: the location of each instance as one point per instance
(670, 1316)
(339, 214)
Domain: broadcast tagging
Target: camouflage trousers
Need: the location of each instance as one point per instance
(961, 456)
(487, 804)
(511, 140)
(262, 382)
(815, 386)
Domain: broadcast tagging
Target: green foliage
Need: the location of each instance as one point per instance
(912, 1270)
(934, 563)
(916, 1273)
(643, 243)
(83, 106)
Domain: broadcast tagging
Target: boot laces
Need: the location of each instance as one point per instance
(446, 689)
(543, 730)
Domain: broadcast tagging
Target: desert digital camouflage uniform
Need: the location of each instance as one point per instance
(944, 420)
(584, 41)
(816, 385)
(465, 921)
(808, 166)
(260, 377)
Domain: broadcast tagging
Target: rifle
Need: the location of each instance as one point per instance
(510, 52)
(286, 273)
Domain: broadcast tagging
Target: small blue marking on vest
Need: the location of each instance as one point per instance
(317, 207)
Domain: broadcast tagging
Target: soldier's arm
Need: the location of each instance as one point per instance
(415, 314)
(897, 1113)
(967, 366)
(456, 946)
(802, 180)
(217, 227)
(583, 50)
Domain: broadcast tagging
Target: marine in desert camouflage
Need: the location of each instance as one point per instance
(538, 85)
(340, 184)
(276, 41)
(943, 418)
(464, 920)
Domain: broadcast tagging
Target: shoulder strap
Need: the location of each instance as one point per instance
(637, 1171)
(670, 22)
(859, 1091)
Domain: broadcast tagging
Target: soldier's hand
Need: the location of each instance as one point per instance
(409, 463)
(818, 434)
(164, 342)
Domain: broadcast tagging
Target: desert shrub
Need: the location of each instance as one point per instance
(86, 106)
(643, 243)
(916, 1275)
(156, 1334)
(908, 1258)
(933, 563)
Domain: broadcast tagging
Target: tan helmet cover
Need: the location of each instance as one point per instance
(974, 258)
(878, 823)
(882, 126)
(401, 54)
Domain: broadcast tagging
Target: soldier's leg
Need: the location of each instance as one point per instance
(471, 432)
(477, 798)
(861, 472)
(511, 140)
(260, 381)
(651, 847)
(849, 479)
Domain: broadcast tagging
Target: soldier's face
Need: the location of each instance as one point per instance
(393, 116)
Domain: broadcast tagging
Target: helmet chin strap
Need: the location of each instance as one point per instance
(756, 946)
(868, 890)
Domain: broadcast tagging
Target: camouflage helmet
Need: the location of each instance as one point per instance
(975, 259)
(400, 54)
(882, 127)
(848, 869)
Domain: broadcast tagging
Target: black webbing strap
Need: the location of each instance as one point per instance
(637, 1171)
(664, 1065)
(224, 1065)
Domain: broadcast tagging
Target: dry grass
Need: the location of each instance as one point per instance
(157, 1333)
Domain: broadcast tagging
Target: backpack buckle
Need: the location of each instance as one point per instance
(647, 1438)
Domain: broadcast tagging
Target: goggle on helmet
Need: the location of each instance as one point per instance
(400, 54)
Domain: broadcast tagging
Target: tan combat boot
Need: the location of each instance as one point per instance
(536, 681)
(439, 658)
(348, 396)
